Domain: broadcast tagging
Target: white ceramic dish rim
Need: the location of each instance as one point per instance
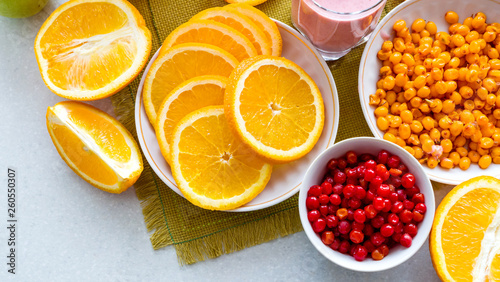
(272, 202)
(437, 174)
(369, 265)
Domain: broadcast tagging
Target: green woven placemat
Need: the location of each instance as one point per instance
(196, 233)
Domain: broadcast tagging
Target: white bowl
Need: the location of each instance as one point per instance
(285, 179)
(361, 145)
(430, 10)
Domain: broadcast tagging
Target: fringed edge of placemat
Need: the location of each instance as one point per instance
(146, 187)
(236, 238)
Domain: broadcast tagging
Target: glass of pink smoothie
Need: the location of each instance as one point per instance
(336, 26)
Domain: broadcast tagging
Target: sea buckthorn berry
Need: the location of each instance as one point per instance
(485, 161)
(431, 27)
(387, 46)
(464, 163)
(451, 17)
(418, 25)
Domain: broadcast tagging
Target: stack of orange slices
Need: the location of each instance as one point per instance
(225, 106)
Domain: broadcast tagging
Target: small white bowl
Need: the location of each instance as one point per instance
(361, 145)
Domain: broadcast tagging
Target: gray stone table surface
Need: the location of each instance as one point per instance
(69, 231)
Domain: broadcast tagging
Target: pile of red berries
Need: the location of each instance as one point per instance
(366, 205)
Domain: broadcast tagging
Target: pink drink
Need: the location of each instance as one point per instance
(336, 26)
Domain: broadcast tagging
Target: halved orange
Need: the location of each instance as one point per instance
(191, 95)
(239, 22)
(178, 64)
(214, 33)
(94, 145)
(267, 25)
(248, 2)
(212, 167)
(275, 107)
(88, 50)
(464, 242)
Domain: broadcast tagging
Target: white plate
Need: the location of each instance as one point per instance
(433, 10)
(286, 179)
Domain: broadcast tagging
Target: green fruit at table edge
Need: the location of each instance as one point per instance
(21, 8)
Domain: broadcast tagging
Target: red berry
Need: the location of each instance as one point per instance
(418, 198)
(344, 203)
(421, 208)
(360, 171)
(396, 237)
(405, 240)
(393, 197)
(314, 191)
(393, 161)
(376, 181)
(339, 177)
(381, 169)
(369, 174)
(366, 157)
(383, 190)
(417, 217)
(319, 225)
(412, 191)
(352, 181)
(332, 209)
(351, 157)
(370, 164)
(408, 180)
(354, 203)
(337, 189)
(370, 196)
(341, 163)
(352, 173)
(323, 210)
(360, 216)
(398, 228)
(363, 183)
(397, 207)
(356, 236)
(378, 203)
(313, 215)
(393, 219)
(326, 188)
(411, 229)
(312, 203)
(324, 199)
(344, 247)
(332, 221)
(408, 204)
(401, 195)
(327, 237)
(332, 164)
(335, 199)
(349, 190)
(368, 230)
(406, 216)
(387, 205)
(384, 249)
(378, 221)
(382, 157)
(350, 215)
(342, 213)
(329, 180)
(370, 211)
(387, 230)
(394, 181)
(360, 253)
(357, 226)
(377, 239)
(359, 192)
(335, 244)
(344, 227)
(369, 246)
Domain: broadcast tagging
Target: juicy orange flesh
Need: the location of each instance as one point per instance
(183, 66)
(109, 139)
(277, 106)
(495, 268)
(84, 159)
(239, 26)
(88, 46)
(214, 162)
(214, 37)
(198, 97)
(465, 225)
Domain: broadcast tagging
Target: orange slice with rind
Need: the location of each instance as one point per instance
(247, 2)
(88, 50)
(275, 107)
(191, 95)
(239, 22)
(214, 33)
(178, 64)
(464, 243)
(94, 145)
(211, 166)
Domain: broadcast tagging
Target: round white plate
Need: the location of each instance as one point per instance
(429, 10)
(286, 179)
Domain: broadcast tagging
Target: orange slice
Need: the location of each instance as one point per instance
(191, 95)
(212, 167)
(464, 242)
(214, 33)
(248, 2)
(88, 50)
(241, 23)
(94, 145)
(178, 64)
(267, 25)
(274, 107)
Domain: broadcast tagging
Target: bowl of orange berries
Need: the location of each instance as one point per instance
(429, 81)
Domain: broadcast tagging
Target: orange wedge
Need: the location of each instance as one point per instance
(464, 241)
(178, 64)
(240, 23)
(94, 145)
(267, 25)
(214, 33)
(88, 50)
(274, 107)
(212, 167)
(191, 95)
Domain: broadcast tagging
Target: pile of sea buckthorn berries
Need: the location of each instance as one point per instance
(438, 96)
